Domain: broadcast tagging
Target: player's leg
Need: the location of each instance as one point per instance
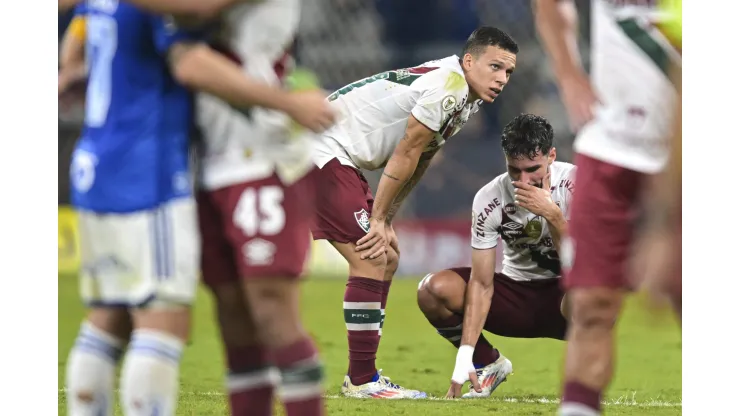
(271, 255)
(344, 206)
(441, 298)
(391, 265)
(251, 376)
(595, 258)
(90, 373)
(166, 253)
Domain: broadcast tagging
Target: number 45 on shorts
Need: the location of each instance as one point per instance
(260, 211)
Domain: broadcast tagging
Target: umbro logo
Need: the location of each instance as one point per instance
(512, 226)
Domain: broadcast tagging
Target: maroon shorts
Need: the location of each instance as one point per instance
(256, 229)
(603, 215)
(344, 203)
(523, 309)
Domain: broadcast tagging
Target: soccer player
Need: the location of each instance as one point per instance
(528, 208)
(255, 209)
(131, 184)
(395, 121)
(622, 121)
(658, 266)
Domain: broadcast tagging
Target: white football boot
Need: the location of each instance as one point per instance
(380, 388)
(490, 376)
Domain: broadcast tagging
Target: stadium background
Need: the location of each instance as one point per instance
(341, 41)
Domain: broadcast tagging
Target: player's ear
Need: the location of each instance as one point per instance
(467, 61)
(551, 156)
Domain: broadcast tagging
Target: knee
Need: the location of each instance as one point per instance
(371, 268)
(594, 309)
(114, 321)
(434, 287)
(391, 263)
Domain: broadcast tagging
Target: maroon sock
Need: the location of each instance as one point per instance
(451, 329)
(362, 306)
(302, 374)
(575, 392)
(250, 381)
(383, 302)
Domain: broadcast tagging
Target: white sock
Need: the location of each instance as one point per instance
(149, 378)
(576, 409)
(91, 372)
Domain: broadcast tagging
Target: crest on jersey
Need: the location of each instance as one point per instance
(448, 103)
(533, 229)
(363, 219)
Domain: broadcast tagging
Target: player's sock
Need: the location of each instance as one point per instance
(362, 301)
(579, 400)
(301, 377)
(383, 301)
(149, 377)
(91, 372)
(451, 329)
(250, 381)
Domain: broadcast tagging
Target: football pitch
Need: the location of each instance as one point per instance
(648, 380)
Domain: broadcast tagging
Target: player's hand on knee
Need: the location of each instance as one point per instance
(374, 243)
(311, 110)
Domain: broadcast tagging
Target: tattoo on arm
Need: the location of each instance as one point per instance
(391, 176)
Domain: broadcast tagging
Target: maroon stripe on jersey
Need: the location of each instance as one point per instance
(280, 66)
(422, 69)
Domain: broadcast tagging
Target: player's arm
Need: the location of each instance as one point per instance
(197, 66)
(557, 26)
(72, 66)
(479, 291)
(478, 295)
(401, 167)
(558, 226)
(424, 160)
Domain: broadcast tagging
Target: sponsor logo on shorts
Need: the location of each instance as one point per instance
(259, 252)
(510, 209)
(363, 219)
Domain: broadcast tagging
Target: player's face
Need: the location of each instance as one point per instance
(489, 72)
(530, 171)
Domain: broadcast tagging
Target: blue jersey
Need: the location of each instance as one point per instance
(133, 153)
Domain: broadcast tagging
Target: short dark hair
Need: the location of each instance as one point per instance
(486, 36)
(525, 135)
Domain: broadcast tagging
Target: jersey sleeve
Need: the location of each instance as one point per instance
(443, 92)
(77, 27)
(167, 33)
(565, 188)
(486, 219)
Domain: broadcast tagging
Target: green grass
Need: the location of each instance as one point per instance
(648, 380)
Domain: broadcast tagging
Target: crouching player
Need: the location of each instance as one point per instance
(528, 208)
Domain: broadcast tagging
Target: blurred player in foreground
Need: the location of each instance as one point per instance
(395, 121)
(658, 266)
(255, 208)
(131, 184)
(528, 208)
(622, 121)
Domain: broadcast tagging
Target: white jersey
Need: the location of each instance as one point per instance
(253, 144)
(373, 112)
(630, 58)
(529, 252)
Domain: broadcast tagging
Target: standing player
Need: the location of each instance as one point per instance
(621, 141)
(394, 121)
(131, 184)
(528, 208)
(255, 211)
